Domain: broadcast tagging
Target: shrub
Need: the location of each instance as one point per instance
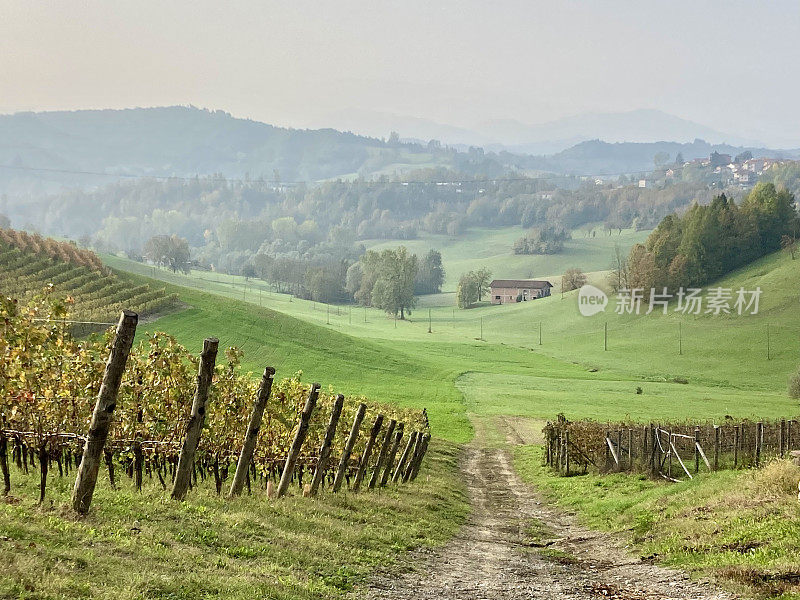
(778, 478)
(794, 385)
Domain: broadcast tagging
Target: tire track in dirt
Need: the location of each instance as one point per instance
(494, 557)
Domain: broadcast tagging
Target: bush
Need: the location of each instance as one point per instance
(778, 478)
(794, 385)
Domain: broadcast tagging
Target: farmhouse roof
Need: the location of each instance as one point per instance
(535, 284)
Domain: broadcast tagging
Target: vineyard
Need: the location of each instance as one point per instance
(94, 294)
(168, 426)
(670, 450)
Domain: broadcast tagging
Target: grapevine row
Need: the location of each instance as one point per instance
(49, 383)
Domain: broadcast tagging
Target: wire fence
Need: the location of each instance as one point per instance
(673, 451)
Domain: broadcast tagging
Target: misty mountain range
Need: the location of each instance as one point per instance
(44, 152)
(640, 126)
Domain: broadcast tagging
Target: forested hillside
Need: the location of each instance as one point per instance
(78, 148)
(709, 241)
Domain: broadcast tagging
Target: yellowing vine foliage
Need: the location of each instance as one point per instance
(49, 381)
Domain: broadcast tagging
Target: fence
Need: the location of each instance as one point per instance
(181, 463)
(672, 450)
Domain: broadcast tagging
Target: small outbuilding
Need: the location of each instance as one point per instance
(507, 291)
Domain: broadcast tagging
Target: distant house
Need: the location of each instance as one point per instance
(506, 291)
(719, 160)
(643, 183)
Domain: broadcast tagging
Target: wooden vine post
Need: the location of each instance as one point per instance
(194, 426)
(297, 442)
(398, 472)
(100, 425)
(325, 449)
(759, 441)
(398, 437)
(348, 447)
(418, 463)
(414, 456)
(4, 463)
(251, 437)
(387, 441)
(362, 465)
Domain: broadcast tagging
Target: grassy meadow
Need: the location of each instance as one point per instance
(144, 545)
(491, 248)
(490, 368)
(494, 360)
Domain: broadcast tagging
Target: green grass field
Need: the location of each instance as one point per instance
(492, 248)
(473, 367)
(144, 545)
(493, 356)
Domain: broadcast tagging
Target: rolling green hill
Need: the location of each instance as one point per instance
(493, 356)
(482, 247)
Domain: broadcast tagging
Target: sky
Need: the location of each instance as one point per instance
(729, 65)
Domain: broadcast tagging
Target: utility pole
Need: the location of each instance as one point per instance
(768, 356)
(429, 320)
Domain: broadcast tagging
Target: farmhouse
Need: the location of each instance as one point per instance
(506, 291)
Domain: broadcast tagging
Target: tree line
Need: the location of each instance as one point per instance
(709, 241)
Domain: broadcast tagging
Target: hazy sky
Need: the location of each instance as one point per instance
(728, 64)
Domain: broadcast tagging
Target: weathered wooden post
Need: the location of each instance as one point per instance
(789, 435)
(387, 470)
(194, 425)
(759, 441)
(86, 479)
(619, 449)
(716, 447)
(362, 466)
(4, 464)
(387, 442)
(325, 448)
(251, 437)
(782, 438)
(414, 456)
(348, 447)
(418, 463)
(398, 472)
(566, 451)
(736, 438)
(654, 459)
(697, 449)
(630, 449)
(669, 454)
(297, 442)
(138, 463)
(43, 466)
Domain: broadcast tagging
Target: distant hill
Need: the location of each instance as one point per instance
(49, 151)
(597, 157)
(183, 141)
(633, 126)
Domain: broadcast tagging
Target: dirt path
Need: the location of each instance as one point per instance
(496, 557)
